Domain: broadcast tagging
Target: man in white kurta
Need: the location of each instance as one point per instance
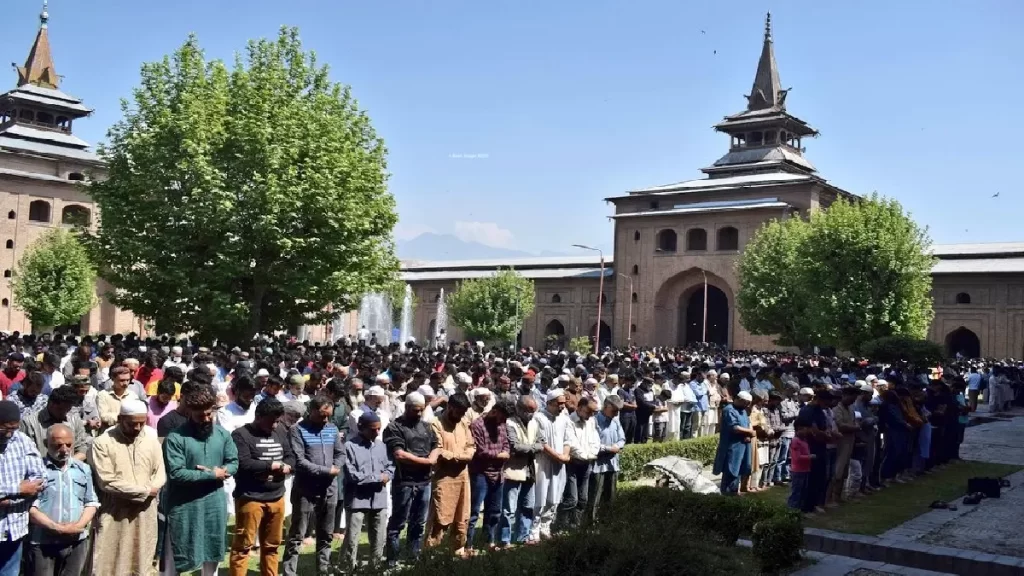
(680, 409)
(551, 432)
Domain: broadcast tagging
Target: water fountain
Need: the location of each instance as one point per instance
(441, 323)
(405, 328)
(375, 314)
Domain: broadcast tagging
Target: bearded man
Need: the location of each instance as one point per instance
(129, 468)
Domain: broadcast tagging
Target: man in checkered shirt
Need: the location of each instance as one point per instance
(21, 479)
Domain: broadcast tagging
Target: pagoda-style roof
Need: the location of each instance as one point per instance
(49, 98)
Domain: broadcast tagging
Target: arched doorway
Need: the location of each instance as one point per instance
(963, 341)
(554, 334)
(691, 307)
(605, 338)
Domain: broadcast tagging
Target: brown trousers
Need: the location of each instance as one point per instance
(253, 518)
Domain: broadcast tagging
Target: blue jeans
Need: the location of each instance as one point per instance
(409, 503)
(488, 494)
(516, 511)
(782, 464)
(10, 557)
(730, 483)
(797, 487)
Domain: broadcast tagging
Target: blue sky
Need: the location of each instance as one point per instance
(509, 121)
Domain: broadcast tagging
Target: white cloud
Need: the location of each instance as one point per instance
(486, 233)
(410, 231)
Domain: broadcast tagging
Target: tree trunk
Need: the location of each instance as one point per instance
(259, 291)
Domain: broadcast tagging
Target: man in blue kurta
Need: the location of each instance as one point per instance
(198, 457)
(732, 460)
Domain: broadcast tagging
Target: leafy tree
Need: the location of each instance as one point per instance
(55, 281)
(581, 345)
(243, 200)
(769, 299)
(493, 308)
(894, 349)
(855, 272)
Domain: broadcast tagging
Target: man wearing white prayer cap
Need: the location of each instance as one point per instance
(481, 401)
(732, 460)
(374, 400)
(463, 381)
(128, 456)
(552, 423)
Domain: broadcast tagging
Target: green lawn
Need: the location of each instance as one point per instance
(873, 515)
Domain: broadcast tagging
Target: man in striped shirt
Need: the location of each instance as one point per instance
(21, 479)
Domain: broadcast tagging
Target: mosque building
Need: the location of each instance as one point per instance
(672, 278)
(43, 169)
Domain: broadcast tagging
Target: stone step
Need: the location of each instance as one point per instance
(912, 554)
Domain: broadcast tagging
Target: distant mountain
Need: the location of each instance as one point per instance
(430, 246)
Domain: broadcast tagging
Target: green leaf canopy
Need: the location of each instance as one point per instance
(858, 271)
(492, 309)
(243, 200)
(55, 282)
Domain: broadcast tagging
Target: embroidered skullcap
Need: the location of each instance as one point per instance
(554, 394)
(745, 396)
(375, 391)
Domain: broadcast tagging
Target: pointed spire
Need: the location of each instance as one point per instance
(38, 68)
(767, 91)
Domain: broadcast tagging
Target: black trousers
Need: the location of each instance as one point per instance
(628, 422)
(56, 559)
(575, 495)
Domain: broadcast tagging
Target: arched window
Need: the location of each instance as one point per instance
(632, 327)
(636, 236)
(45, 118)
(75, 215)
(635, 297)
(39, 211)
(10, 244)
(76, 177)
(5, 302)
(556, 299)
(697, 239)
(963, 298)
(604, 298)
(728, 238)
(12, 215)
(438, 297)
(636, 269)
(667, 240)
(8, 273)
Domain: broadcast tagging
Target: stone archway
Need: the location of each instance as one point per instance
(964, 341)
(692, 325)
(684, 289)
(605, 335)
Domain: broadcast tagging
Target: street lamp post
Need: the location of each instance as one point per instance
(600, 297)
(629, 322)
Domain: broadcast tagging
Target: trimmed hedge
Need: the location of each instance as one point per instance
(634, 457)
(646, 531)
(776, 531)
(661, 544)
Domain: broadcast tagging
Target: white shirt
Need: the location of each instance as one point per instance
(232, 416)
(583, 438)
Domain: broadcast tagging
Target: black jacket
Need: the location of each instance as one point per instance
(257, 452)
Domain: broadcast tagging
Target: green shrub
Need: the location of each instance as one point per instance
(892, 349)
(634, 457)
(776, 531)
(646, 532)
(653, 549)
(777, 541)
